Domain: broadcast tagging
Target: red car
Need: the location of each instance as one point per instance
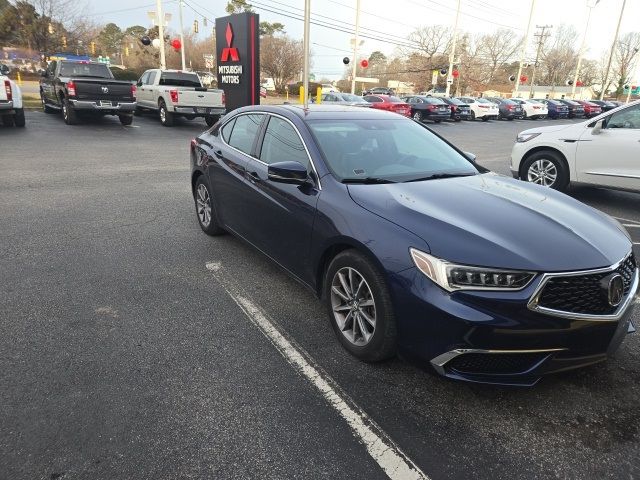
(390, 103)
(590, 109)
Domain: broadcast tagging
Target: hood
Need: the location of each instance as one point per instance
(494, 221)
(551, 128)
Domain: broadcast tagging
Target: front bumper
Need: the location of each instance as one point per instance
(494, 337)
(199, 111)
(111, 108)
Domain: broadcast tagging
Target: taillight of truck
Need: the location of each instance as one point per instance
(7, 89)
(174, 96)
(134, 91)
(71, 88)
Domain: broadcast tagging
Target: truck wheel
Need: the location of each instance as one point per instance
(46, 108)
(211, 119)
(7, 120)
(126, 119)
(19, 118)
(166, 117)
(68, 113)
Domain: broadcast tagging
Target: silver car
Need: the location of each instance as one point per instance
(347, 99)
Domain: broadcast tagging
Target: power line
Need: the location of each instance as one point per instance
(461, 13)
(127, 9)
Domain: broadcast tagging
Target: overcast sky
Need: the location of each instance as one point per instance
(389, 20)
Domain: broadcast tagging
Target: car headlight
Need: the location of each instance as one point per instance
(525, 137)
(452, 277)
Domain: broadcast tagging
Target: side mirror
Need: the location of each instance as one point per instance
(4, 70)
(288, 172)
(597, 128)
(139, 84)
(470, 156)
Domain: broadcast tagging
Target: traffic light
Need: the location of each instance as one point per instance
(93, 48)
(126, 51)
(196, 27)
(64, 42)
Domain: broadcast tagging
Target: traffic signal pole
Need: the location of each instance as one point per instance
(163, 62)
(525, 43)
(355, 50)
(181, 3)
(581, 52)
(613, 49)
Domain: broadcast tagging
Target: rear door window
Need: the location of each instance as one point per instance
(244, 132)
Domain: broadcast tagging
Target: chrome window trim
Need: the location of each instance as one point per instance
(614, 317)
(441, 360)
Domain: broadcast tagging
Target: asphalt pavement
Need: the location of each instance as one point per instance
(134, 346)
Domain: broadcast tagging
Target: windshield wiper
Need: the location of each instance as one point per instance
(367, 180)
(437, 176)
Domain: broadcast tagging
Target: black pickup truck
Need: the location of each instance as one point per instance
(78, 88)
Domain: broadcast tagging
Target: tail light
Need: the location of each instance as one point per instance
(71, 88)
(224, 99)
(134, 91)
(174, 96)
(483, 106)
(7, 89)
(510, 107)
(536, 107)
(432, 107)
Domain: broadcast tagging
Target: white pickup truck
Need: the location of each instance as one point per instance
(174, 93)
(11, 110)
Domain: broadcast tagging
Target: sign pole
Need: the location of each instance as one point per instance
(163, 63)
(355, 49)
(305, 71)
(452, 54)
(181, 3)
(613, 50)
(524, 47)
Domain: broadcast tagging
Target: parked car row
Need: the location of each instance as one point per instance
(83, 88)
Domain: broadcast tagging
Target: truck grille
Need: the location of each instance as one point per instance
(583, 294)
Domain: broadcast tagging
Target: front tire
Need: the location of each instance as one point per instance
(485, 118)
(205, 210)
(360, 308)
(166, 117)
(546, 168)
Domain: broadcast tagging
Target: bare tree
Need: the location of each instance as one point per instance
(625, 58)
(559, 56)
(497, 49)
(281, 58)
(431, 41)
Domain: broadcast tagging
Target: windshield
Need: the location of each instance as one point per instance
(76, 69)
(455, 101)
(483, 100)
(393, 99)
(433, 101)
(180, 79)
(388, 150)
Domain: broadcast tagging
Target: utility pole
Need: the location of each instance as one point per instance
(181, 4)
(524, 46)
(541, 38)
(581, 52)
(306, 43)
(613, 49)
(163, 62)
(355, 49)
(452, 54)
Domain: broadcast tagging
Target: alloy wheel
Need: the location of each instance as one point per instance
(203, 202)
(417, 116)
(163, 114)
(353, 305)
(542, 172)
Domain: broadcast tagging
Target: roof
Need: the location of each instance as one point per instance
(325, 112)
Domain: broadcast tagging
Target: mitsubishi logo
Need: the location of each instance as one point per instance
(105, 90)
(229, 51)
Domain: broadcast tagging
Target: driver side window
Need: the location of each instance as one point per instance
(628, 118)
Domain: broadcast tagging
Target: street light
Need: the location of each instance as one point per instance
(590, 5)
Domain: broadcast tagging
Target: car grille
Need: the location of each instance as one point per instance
(495, 363)
(583, 294)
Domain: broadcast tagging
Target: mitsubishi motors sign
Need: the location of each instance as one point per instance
(238, 55)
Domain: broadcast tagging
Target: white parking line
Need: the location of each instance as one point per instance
(633, 222)
(380, 447)
(631, 225)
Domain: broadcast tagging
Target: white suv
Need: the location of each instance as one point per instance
(603, 151)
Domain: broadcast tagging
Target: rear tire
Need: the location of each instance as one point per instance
(126, 120)
(68, 113)
(205, 211)
(355, 293)
(417, 116)
(473, 115)
(485, 118)
(211, 120)
(166, 117)
(19, 119)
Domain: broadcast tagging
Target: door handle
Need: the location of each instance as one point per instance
(253, 177)
(218, 153)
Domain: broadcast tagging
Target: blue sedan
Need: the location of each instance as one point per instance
(414, 248)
